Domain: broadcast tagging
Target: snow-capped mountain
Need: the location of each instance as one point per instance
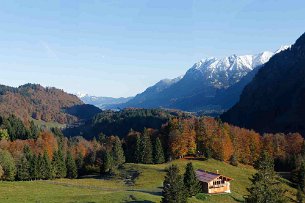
(222, 73)
(102, 102)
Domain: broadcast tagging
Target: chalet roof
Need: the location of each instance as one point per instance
(207, 177)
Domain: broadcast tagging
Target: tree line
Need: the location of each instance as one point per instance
(202, 137)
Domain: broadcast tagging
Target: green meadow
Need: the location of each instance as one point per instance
(136, 183)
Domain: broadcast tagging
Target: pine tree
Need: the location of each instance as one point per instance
(23, 169)
(59, 165)
(146, 148)
(47, 166)
(190, 180)
(33, 167)
(107, 163)
(173, 188)
(118, 152)
(299, 195)
(265, 184)
(158, 152)
(233, 160)
(40, 167)
(79, 162)
(138, 152)
(71, 166)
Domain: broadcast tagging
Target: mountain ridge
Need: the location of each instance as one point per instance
(273, 100)
(199, 89)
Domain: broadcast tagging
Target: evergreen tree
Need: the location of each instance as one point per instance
(59, 165)
(146, 148)
(71, 166)
(233, 160)
(33, 167)
(23, 169)
(138, 152)
(265, 184)
(47, 166)
(34, 131)
(41, 171)
(118, 152)
(190, 180)
(173, 188)
(79, 162)
(158, 152)
(107, 163)
(299, 195)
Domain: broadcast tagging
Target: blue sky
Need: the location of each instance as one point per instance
(119, 48)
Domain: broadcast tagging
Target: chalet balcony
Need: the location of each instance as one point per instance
(219, 185)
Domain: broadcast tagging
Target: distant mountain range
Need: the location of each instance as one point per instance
(103, 102)
(274, 100)
(33, 101)
(210, 85)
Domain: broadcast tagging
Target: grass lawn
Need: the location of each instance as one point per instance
(146, 188)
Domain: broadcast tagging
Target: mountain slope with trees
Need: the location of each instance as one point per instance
(274, 100)
(32, 101)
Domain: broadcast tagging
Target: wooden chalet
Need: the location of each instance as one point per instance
(213, 183)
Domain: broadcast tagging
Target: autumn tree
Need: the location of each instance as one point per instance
(4, 134)
(8, 165)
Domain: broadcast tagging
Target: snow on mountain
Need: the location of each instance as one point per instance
(224, 72)
(282, 48)
(81, 95)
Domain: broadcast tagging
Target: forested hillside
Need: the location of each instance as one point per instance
(121, 122)
(40, 103)
(274, 100)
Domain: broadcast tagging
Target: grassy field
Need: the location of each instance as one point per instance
(48, 125)
(145, 186)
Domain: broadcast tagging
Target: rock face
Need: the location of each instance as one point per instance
(204, 85)
(274, 100)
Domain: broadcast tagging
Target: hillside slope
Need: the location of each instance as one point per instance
(274, 100)
(40, 103)
(144, 189)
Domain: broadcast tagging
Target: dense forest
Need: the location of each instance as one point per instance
(29, 153)
(121, 122)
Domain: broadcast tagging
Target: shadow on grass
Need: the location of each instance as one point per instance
(134, 200)
(236, 199)
(157, 193)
